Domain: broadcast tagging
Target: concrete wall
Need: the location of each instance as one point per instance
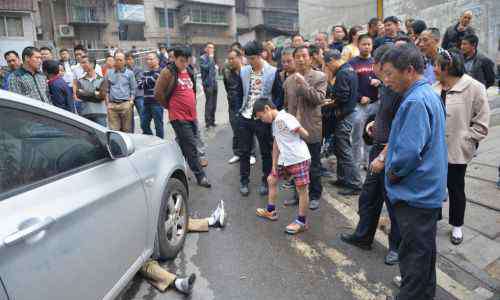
(442, 14)
(321, 15)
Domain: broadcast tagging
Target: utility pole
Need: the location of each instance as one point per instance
(166, 25)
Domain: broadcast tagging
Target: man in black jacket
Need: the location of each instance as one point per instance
(477, 65)
(455, 33)
(345, 99)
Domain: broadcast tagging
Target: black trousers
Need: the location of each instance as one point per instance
(417, 252)
(456, 191)
(248, 129)
(233, 121)
(210, 105)
(315, 187)
(185, 131)
(372, 198)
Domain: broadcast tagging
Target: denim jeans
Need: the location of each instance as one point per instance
(347, 171)
(139, 106)
(360, 150)
(372, 198)
(152, 111)
(100, 119)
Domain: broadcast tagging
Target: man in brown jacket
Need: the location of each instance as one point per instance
(305, 91)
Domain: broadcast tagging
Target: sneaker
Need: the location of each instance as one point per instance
(456, 240)
(244, 191)
(392, 258)
(203, 182)
(397, 281)
(296, 227)
(185, 285)
(234, 159)
(263, 190)
(219, 215)
(314, 204)
(264, 213)
(353, 240)
(252, 160)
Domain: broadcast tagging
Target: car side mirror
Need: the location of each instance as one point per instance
(119, 144)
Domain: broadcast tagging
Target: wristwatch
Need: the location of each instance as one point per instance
(380, 158)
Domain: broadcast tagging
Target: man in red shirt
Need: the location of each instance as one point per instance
(176, 91)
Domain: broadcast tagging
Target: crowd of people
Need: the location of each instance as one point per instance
(409, 106)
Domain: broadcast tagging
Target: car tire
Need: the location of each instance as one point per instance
(172, 221)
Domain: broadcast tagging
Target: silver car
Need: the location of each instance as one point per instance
(82, 207)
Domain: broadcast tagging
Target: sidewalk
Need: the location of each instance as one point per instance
(476, 262)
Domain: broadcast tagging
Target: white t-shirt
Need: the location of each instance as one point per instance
(293, 149)
(253, 94)
(78, 71)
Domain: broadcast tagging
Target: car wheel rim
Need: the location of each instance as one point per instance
(175, 224)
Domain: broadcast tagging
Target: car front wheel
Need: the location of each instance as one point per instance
(172, 223)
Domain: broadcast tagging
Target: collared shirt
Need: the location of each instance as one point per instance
(417, 153)
(121, 85)
(87, 86)
(28, 84)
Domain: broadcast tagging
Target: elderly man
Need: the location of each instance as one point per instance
(428, 42)
(455, 33)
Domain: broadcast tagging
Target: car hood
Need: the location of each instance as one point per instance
(146, 141)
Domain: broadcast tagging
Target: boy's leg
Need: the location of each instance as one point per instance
(303, 192)
(301, 174)
(270, 212)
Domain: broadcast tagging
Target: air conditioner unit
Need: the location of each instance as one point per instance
(186, 19)
(66, 31)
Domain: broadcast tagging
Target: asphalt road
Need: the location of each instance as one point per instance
(254, 259)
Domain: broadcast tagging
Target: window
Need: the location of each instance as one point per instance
(241, 6)
(131, 32)
(11, 26)
(161, 17)
(34, 148)
(281, 20)
(208, 15)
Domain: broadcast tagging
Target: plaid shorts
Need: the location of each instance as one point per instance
(299, 172)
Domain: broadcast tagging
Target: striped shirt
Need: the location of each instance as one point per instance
(148, 84)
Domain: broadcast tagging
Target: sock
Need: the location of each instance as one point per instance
(301, 219)
(271, 207)
(457, 232)
(211, 221)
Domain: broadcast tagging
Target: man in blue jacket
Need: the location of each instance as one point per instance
(416, 170)
(208, 68)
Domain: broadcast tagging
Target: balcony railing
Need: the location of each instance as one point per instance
(87, 11)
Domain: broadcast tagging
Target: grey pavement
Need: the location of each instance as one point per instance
(255, 259)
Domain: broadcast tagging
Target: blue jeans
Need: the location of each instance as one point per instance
(100, 119)
(347, 171)
(139, 105)
(360, 150)
(152, 111)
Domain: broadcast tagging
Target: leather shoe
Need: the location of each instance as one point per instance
(244, 191)
(350, 192)
(314, 204)
(203, 182)
(352, 240)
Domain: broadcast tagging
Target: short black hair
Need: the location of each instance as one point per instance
(63, 50)
(46, 48)
(29, 51)
(405, 56)
(418, 26)
(9, 53)
(453, 61)
(435, 33)
(51, 67)
(182, 51)
(79, 47)
(237, 45)
(299, 48)
(472, 39)
(261, 103)
(379, 53)
(236, 51)
(287, 51)
(129, 54)
(364, 36)
(392, 19)
(332, 54)
(253, 48)
(313, 49)
(403, 38)
(373, 22)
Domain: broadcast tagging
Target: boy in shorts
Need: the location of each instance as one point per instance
(291, 157)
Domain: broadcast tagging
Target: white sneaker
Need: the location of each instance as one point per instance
(234, 159)
(252, 160)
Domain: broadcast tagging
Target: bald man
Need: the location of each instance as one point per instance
(455, 33)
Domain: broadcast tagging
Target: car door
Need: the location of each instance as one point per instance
(72, 221)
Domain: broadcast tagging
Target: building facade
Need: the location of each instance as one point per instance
(17, 29)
